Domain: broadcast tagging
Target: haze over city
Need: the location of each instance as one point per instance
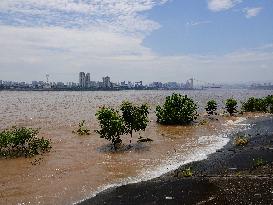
(165, 40)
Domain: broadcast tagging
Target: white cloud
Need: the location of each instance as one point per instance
(220, 5)
(115, 15)
(197, 23)
(105, 37)
(252, 12)
(30, 53)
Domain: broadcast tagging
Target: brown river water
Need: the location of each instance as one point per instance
(80, 166)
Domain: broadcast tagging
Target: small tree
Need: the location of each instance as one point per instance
(231, 106)
(211, 107)
(177, 110)
(135, 117)
(112, 125)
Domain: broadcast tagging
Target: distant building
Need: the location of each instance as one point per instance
(106, 82)
(138, 84)
(87, 80)
(82, 79)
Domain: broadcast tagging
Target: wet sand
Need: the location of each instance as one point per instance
(228, 176)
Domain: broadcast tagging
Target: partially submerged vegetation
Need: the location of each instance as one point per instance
(177, 110)
(231, 106)
(211, 107)
(135, 117)
(114, 125)
(18, 142)
(82, 130)
(259, 104)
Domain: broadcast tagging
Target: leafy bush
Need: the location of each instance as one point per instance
(23, 141)
(135, 117)
(112, 125)
(241, 141)
(259, 104)
(231, 106)
(249, 105)
(211, 107)
(177, 110)
(269, 102)
(82, 129)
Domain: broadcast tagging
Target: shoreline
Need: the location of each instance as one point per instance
(228, 168)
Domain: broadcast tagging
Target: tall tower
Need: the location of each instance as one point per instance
(87, 80)
(106, 82)
(82, 79)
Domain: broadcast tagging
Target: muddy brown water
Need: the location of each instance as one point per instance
(80, 166)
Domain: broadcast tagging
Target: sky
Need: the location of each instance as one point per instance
(227, 41)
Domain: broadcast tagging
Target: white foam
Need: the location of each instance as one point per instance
(210, 144)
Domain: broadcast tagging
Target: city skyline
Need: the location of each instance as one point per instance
(225, 41)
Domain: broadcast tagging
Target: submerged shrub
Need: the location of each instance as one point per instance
(269, 102)
(135, 117)
(17, 142)
(177, 110)
(211, 107)
(82, 130)
(231, 106)
(112, 125)
(259, 104)
(249, 105)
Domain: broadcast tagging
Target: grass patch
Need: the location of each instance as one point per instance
(241, 141)
(187, 172)
(258, 162)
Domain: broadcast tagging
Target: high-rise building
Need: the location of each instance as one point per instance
(106, 82)
(82, 79)
(87, 80)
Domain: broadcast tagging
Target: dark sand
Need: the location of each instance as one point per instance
(228, 176)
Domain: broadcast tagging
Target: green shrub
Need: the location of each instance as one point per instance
(135, 117)
(177, 110)
(82, 130)
(231, 106)
(269, 102)
(211, 107)
(249, 105)
(112, 125)
(17, 142)
(259, 104)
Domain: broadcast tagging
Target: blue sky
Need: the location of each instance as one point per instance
(149, 40)
(191, 27)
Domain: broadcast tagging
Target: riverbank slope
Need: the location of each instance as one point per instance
(233, 174)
